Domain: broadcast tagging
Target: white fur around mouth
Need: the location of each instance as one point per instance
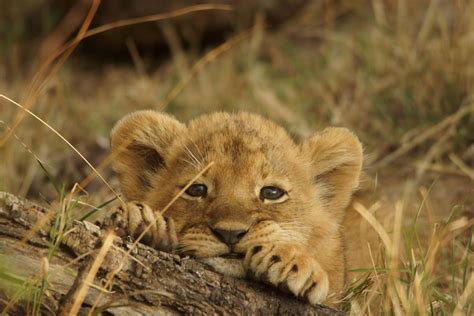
(228, 266)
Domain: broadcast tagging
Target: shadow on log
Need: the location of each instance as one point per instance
(150, 282)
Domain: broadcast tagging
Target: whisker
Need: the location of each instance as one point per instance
(295, 230)
(192, 163)
(199, 152)
(193, 157)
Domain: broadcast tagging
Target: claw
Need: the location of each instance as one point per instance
(135, 217)
(289, 268)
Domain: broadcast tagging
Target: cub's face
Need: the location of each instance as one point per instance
(259, 185)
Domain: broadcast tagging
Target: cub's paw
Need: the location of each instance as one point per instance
(289, 268)
(134, 218)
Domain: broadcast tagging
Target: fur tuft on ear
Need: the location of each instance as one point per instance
(336, 158)
(139, 142)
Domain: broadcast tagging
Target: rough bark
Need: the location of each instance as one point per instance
(150, 283)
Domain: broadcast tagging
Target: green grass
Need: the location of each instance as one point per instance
(31, 288)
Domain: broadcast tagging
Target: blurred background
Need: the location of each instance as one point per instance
(399, 73)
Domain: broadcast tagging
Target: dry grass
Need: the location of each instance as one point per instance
(398, 72)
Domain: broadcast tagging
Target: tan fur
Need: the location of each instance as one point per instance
(299, 244)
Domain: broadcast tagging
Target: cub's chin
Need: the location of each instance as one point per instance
(227, 266)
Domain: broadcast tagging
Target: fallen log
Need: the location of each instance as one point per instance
(147, 282)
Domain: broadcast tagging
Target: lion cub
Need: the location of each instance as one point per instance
(268, 207)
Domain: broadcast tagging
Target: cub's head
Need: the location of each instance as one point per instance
(262, 186)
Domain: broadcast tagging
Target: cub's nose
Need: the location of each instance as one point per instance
(230, 237)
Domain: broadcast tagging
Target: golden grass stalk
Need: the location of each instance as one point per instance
(468, 171)
(465, 297)
(170, 203)
(89, 279)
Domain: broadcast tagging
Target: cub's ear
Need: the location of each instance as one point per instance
(336, 158)
(139, 144)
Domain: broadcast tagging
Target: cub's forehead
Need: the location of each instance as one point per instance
(238, 139)
(235, 134)
(233, 125)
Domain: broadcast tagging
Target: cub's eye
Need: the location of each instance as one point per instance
(271, 193)
(197, 190)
